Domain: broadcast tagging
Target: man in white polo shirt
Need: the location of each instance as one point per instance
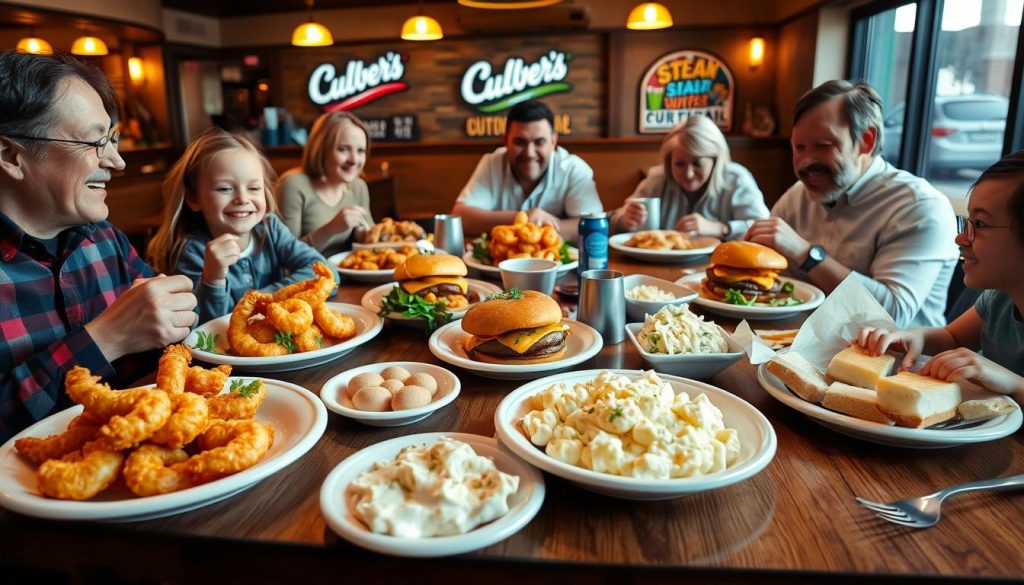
(852, 212)
(530, 173)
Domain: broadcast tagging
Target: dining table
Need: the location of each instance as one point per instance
(796, 521)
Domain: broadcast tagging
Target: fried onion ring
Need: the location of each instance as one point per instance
(290, 315)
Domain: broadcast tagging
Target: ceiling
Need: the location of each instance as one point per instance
(226, 8)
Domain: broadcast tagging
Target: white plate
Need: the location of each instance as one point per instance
(372, 299)
(372, 276)
(688, 365)
(299, 419)
(757, 440)
(618, 242)
(488, 271)
(637, 310)
(524, 504)
(811, 295)
(333, 395)
(447, 344)
(874, 432)
(392, 245)
(368, 325)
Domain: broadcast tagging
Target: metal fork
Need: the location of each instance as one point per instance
(924, 511)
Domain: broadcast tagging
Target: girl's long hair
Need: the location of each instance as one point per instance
(699, 136)
(183, 180)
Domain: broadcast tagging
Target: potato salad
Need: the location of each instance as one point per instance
(437, 490)
(631, 427)
(675, 329)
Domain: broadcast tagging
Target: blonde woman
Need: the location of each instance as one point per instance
(219, 227)
(324, 201)
(702, 191)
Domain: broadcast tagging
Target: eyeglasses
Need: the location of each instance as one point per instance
(99, 145)
(969, 227)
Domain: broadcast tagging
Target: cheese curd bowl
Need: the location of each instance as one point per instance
(690, 365)
(637, 310)
(340, 516)
(756, 437)
(333, 395)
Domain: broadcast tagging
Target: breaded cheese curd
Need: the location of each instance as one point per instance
(648, 292)
(436, 490)
(675, 329)
(631, 427)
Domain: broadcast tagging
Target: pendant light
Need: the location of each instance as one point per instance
(649, 16)
(507, 4)
(421, 27)
(89, 45)
(312, 33)
(34, 45)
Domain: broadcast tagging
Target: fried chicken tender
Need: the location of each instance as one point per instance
(150, 411)
(241, 341)
(290, 315)
(322, 288)
(205, 382)
(234, 405)
(229, 447)
(172, 368)
(78, 476)
(333, 323)
(38, 450)
(309, 340)
(261, 330)
(151, 470)
(189, 417)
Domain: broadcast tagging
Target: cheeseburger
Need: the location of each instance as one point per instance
(434, 277)
(516, 328)
(748, 269)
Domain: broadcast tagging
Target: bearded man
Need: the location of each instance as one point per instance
(529, 173)
(852, 212)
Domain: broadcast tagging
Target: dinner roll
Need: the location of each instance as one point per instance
(372, 398)
(423, 381)
(410, 397)
(393, 385)
(362, 381)
(395, 373)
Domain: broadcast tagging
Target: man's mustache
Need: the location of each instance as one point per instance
(100, 176)
(814, 168)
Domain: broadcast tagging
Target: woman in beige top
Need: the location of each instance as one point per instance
(324, 201)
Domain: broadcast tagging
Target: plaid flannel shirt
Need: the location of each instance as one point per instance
(45, 303)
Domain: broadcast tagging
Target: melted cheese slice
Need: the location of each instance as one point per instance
(415, 286)
(520, 340)
(764, 281)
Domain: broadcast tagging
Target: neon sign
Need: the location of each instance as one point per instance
(518, 81)
(360, 84)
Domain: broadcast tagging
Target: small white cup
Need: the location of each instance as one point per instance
(529, 274)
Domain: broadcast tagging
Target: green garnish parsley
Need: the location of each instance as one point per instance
(415, 306)
(482, 249)
(563, 253)
(206, 342)
(285, 340)
(615, 414)
(246, 390)
(508, 295)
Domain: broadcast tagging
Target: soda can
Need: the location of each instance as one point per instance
(593, 242)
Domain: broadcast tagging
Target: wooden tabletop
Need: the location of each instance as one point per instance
(796, 521)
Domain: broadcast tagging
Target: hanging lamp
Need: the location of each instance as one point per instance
(507, 4)
(34, 45)
(421, 28)
(89, 45)
(311, 33)
(649, 16)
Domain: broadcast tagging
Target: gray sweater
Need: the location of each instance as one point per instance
(278, 259)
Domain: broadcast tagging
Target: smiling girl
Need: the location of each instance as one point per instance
(991, 243)
(219, 227)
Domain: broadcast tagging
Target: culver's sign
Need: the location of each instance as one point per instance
(359, 84)
(517, 82)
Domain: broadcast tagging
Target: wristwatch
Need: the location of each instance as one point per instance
(814, 257)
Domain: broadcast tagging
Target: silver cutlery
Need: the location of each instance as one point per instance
(924, 511)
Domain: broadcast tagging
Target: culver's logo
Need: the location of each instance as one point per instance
(517, 82)
(360, 83)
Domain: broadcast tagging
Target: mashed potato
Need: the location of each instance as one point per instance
(648, 292)
(631, 427)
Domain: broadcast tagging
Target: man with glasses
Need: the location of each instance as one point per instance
(530, 173)
(73, 290)
(853, 213)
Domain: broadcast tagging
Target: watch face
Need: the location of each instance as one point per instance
(817, 253)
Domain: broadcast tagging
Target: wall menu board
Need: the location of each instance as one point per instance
(683, 84)
(456, 89)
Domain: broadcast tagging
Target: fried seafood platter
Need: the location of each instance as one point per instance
(195, 437)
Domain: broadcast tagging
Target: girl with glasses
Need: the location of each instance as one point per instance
(991, 243)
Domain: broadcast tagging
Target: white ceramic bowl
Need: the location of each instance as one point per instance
(334, 397)
(688, 365)
(523, 505)
(757, 440)
(636, 310)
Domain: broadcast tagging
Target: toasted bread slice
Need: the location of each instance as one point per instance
(857, 402)
(857, 368)
(986, 408)
(800, 375)
(917, 401)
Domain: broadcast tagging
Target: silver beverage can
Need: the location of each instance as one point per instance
(593, 242)
(448, 234)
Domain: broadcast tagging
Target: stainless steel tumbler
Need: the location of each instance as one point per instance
(653, 206)
(448, 234)
(603, 304)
